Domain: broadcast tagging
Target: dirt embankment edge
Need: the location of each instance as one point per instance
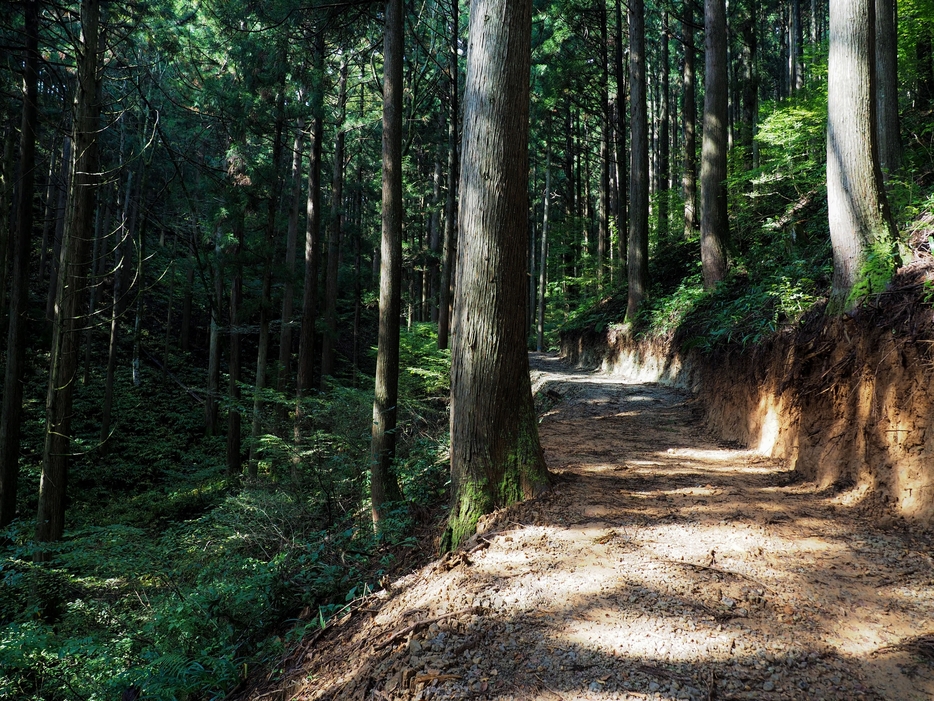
(847, 401)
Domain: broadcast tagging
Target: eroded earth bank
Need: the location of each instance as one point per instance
(663, 565)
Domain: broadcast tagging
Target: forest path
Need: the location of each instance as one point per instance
(661, 566)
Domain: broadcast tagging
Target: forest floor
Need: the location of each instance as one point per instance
(662, 565)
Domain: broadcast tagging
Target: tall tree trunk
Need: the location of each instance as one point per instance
(214, 341)
(449, 249)
(234, 449)
(714, 221)
(749, 84)
(50, 522)
(689, 116)
(184, 336)
(664, 138)
(434, 230)
(543, 267)
(383, 485)
(63, 214)
(860, 223)
(622, 220)
(496, 458)
(288, 293)
(334, 236)
(888, 133)
(265, 311)
(7, 169)
(603, 207)
(797, 48)
(10, 420)
(306, 352)
(638, 251)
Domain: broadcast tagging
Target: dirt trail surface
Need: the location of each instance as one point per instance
(661, 566)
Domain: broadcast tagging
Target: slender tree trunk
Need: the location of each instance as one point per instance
(664, 137)
(888, 133)
(334, 237)
(543, 267)
(638, 250)
(234, 449)
(449, 250)
(714, 220)
(288, 293)
(603, 207)
(10, 420)
(306, 353)
(434, 230)
(50, 522)
(860, 223)
(184, 336)
(265, 312)
(62, 216)
(214, 341)
(49, 220)
(7, 168)
(689, 115)
(622, 221)
(496, 458)
(383, 485)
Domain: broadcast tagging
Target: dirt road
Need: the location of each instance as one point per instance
(661, 566)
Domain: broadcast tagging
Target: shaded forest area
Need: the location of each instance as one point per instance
(203, 456)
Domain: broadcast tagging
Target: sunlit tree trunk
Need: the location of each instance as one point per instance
(234, 449)
(383, 486)
(860, 223)
(664, 144)
(50, 522)
(10, 418)
(714, 220)
(622, 217)
(496, 458)
(638, 250)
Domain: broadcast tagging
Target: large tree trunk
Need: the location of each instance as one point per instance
(75, 260)
(749, 85)
(689, 116)
(603, 206)
(714, 219)
(860, 224)
(334, 236)
(10, 420)
(496, 458)
(383, 486)
(214, 341)
(449, 249)
(638, 251)
(888, 131)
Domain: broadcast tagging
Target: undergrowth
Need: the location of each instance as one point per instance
(175, 579)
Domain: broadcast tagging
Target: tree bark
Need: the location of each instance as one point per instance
(449, 249)
(10, 420)
(622, 216)
(72, 288)
(383, 485)
(496, 458)
(888, 133)
(214, 341)
(334, 237)
(689, 117)
(714, 219)
(663, 137)
(860, 223)
(543, 267)
(638, 250)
